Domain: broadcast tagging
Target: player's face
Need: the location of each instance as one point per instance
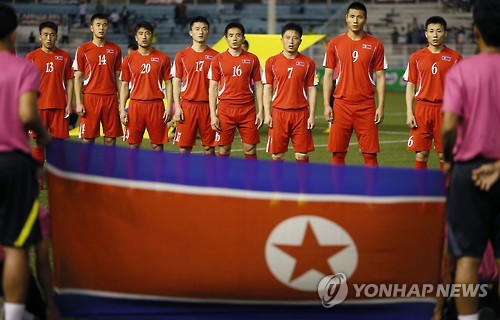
(435, 34)
(199, 32)
(291, 41)
(144, 38)
(48, 37)
(355, 20)
(99, 28)
(234, 38)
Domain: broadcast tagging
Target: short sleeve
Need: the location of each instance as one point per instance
(256, 70)
(268, 77)
(330, 60)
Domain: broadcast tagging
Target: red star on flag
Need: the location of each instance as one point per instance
(310, 254)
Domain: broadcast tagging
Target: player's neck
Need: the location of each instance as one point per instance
(99, 42)
(289, 55)
(235, 52)
(356, 35)
(199, 46)
(47, 50)
(435, 49)
(145, 50)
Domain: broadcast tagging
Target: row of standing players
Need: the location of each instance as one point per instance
(214, 94)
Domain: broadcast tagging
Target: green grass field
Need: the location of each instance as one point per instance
(393, 134)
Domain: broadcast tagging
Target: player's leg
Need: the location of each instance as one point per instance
(157, 128)
(185, 134)
(110, 118)
(207, 135)
(227, 122)
(302, 139)
(134, 131)
(340, 132)
(279, 135)
(367, 133)
(420, 138)
(248, 130)
(436, 133)
(90, 122)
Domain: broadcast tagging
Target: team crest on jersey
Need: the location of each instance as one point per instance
(155, 59)
(58, 57)
(446, 58)
(110, 51)
(245, 61)
(367, 46)
(208, 57)
(300, 63)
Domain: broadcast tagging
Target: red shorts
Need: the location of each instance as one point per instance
(196, 116)
(144, 115)
(100, 108)
(54, 121)
(429, 119)
(241, 117)
(290, 123)
(348, 116)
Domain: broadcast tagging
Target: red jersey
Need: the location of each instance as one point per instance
(192, 68)
(98, 65)
(355, 62)
(290, 79)
(145, 74)
(427, 71)
(235, 75)
(55, 69)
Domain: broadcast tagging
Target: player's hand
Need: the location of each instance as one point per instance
(167, 115)
(379, 115)
(124, 117)
(328, 113)
(80, 109)
(486, 175)
(411, 121)
(310, 123)
(268, 120)
(179, 115)
(259, 120)
(214, 122)
(67, 111)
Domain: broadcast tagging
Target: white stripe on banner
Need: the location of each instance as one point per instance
(237, 193)
(115, 295)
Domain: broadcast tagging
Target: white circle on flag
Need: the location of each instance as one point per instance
(326, 248)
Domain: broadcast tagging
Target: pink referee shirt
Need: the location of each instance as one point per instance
(17, 77)
(472, 91)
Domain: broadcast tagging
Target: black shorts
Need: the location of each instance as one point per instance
(473, 215)
(19, 226)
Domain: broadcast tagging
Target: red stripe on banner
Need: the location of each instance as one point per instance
(147, 242)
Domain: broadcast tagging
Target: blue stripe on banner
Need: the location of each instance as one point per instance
(110, 308)
(241, 174)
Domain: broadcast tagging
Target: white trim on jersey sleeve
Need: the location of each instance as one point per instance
(407, 72)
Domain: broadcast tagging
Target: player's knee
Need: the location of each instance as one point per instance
(207, 150)
(250, 148)
(422, 156)
(338, 158)
(185, 149)
(157, 147)
(370, 159)
(278, 156)
(301, 157)
(224, 151)
(441, 156)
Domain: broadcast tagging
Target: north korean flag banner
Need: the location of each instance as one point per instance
(149, 234)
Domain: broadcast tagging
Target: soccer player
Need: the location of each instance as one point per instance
(290, 88)
(190, 88)
(19, 226)
(145, 70)
(56, 86)
(97, 71)
(470, 137)
(426, 72)
(356, 55)
(231, 74)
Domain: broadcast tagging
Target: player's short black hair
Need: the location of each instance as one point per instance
(486, 17)
(247, 44)
(47, 24)
(98, 16)
(146, 25)
(292, 26)
(133, 46)
(436, 20)
(232, 25)
(8, 20)
(357, 6)
(201, 19)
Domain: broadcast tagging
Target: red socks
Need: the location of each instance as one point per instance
(338, 158)
(420, 164)
(251, 156)
(39, 155)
